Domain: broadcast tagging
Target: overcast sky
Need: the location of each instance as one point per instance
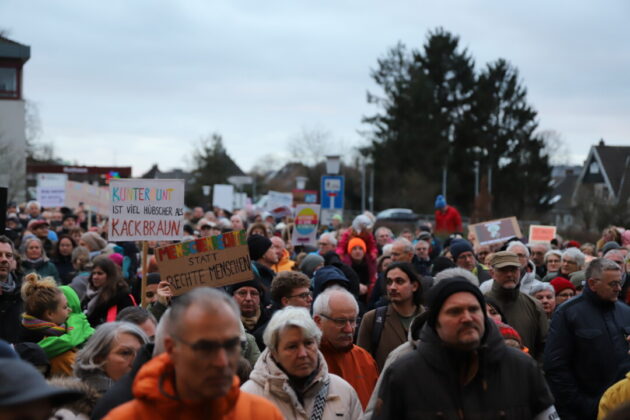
(138, 82)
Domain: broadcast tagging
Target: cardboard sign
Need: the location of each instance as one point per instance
(495, 231)
(209, 261)
(306, 224)
(146, 209)
(94, 198)
(541, 234)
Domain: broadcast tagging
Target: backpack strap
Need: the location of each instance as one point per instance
(113, 310)
(377, 328)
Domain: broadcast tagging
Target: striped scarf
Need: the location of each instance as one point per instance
(47, 328)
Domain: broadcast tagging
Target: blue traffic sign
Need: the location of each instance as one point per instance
(332, 189)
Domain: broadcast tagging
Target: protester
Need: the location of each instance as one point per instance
(552, 264)
(447, 218)
(263, 258)
(82, 270)
(523, 312)
(361, 228)
(140, 317)
(310, 264)
(63, 258)
(462, 366)
(546, 295)
(563, 288)
(293, 374)
(326, 243)
(587, 346)
(464, 257)
(383, 329)
(35, 260)
(109, 354)
(94, 243)
(248, 295)
(46, 321)
(25, 395)
(11, 305)
(107, 292)
(195, 377)
(284, 257)
(362, 263)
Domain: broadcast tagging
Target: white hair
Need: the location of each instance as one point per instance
(577, 255)
(290, 317)
(514, 244)
(406, 243)
(387, 249)
(553, 252)
(455, 272)
(322, 303)
(540, 286)
(331, 238)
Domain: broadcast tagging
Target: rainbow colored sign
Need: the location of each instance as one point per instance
(306, 224)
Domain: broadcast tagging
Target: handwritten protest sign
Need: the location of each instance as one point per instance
(495, 231)
(306, 223)
(146, 209)
(94, 198)
(209, 261)
(541, 234)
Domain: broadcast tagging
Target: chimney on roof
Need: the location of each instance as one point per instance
(601, 142)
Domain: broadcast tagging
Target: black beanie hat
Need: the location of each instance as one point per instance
(232, 288)
(441, 291)
(153, 278)
(460, 246)
(258, 245)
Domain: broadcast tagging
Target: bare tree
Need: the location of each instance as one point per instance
(555, 147)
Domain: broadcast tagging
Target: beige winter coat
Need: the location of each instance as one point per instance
(269, 381)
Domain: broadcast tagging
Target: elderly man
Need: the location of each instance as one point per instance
(335, 312)
(284, 258)
(402, 251)
(11, 305)
(528, 278)
(326, 243)
(464, 257)
(522, 311)
(383, 236)
(196, 378)
(587, 347)
(249, 296)
(538, 258)
(463, 368)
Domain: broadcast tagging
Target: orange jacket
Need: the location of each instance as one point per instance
(356, 366)
(285, 263)
(155, 398)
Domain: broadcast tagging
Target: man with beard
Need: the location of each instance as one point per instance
(335, 313)
(462, 367)
(383, 329)
(11, 305)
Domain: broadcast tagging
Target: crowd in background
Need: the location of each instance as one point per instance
(419, 322)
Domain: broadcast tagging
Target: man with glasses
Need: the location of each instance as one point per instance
(527, 272)
(326, 243)
(248, 295)
(335, 312)
(464, 257)
(289, 288)
(196, 377)
(586, 347)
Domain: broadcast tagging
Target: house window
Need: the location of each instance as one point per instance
(8, 82)
(593, 168)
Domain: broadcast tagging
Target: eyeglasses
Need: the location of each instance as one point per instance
(566, 295)
(211, 348)
(302, 296)
(341, 322)
(244, 293)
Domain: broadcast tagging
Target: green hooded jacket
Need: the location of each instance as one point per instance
(81, 328)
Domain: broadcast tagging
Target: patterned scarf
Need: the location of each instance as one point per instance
(47, 328)
(7, 286)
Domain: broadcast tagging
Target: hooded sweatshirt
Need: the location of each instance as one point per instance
(156, 398)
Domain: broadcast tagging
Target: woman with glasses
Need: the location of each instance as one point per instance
(564, 289)
(109, 354)
(293, 374)
(552, 263)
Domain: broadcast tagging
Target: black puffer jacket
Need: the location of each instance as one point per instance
(585, 348)
(425, 384)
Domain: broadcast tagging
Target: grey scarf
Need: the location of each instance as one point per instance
(7, 286)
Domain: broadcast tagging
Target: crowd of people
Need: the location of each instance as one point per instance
(369, 323)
